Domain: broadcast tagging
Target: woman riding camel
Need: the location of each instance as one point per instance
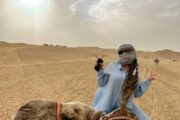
(113, 83)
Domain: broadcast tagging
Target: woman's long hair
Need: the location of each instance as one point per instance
(129, 84)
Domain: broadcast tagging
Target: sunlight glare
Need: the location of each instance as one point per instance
(32, 3)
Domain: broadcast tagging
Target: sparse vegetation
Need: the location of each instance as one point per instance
(46, 45)
(156, 61)
(51, 45)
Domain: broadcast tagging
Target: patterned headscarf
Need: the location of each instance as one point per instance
(127, 54)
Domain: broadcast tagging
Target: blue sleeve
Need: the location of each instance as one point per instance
(103, 77)
(141, 88)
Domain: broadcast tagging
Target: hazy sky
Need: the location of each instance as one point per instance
(148, 24)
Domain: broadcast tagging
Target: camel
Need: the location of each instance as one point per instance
(49, 110)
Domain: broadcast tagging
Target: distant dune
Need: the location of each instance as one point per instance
(57, 50)
(6, 44)
(66, 74)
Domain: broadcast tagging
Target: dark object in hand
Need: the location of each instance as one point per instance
(99, 64)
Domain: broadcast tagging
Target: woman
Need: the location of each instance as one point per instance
(111, 83)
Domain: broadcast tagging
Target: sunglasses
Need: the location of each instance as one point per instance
(124, 51)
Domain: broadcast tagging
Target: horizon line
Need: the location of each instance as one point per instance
(69, 46)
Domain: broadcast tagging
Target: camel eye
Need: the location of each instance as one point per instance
(77, 111)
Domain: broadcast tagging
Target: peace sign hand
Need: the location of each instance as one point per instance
(152, 76)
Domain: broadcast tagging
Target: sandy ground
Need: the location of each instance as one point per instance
(66, 74)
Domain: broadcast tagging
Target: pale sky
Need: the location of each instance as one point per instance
(147, 24)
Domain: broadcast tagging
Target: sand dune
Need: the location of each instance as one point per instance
(165, 54)
(66, 74)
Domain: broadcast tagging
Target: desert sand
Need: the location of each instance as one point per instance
(66, 74)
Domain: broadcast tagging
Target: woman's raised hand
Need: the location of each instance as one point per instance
(99, 64)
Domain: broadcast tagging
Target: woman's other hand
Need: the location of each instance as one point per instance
(152, 76)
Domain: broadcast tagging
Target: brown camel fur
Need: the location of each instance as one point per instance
(46, 110)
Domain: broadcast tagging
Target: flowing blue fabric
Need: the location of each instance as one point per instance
(108, 94)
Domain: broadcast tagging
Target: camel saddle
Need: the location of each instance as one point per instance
(114, 115)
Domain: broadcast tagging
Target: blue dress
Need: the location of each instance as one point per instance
(108, 94)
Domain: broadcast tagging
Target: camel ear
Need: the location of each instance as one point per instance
(97, 116)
